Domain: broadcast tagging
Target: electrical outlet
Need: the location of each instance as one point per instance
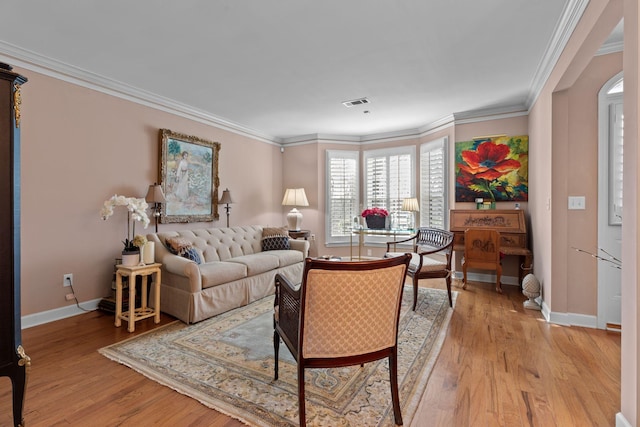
(313, 237)
(67, 280)
(69, 297)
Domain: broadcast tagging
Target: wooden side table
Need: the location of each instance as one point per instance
(300, 234)
(134, 314)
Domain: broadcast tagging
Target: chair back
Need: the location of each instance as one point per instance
(482, 247)
(350, 308)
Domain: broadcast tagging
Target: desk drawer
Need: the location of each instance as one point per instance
(514, 240)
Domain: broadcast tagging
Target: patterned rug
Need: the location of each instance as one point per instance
(226, 363)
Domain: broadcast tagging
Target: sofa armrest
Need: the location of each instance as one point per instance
(300, 245)
(176, 264)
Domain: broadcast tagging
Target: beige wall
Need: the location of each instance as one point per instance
(630, 390)
(79, 147)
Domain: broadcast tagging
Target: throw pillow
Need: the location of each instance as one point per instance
(275, 243)
(193, 255)
(275, 231)
(178, 245)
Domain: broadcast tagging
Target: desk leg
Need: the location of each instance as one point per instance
(132, 302)
(118, 298)
(156, 302)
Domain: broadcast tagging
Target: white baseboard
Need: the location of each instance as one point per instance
(621, 421)
(43, 317)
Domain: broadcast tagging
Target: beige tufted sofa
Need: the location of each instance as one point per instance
(234, 270)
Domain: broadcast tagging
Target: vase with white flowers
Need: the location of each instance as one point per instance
(136, 211)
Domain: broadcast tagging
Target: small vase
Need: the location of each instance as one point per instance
(148, 253)
(130, 258)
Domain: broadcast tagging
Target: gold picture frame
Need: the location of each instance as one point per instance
(188, 173)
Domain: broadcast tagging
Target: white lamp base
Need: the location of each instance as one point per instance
(294, 219)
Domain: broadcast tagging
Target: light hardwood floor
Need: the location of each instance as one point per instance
(500, 365)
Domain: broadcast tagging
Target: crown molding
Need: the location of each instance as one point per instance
(59, 70)
(567, 23)
(610, 48)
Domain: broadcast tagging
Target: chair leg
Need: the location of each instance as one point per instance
(498, 277)
(415, 291)
(301, 406)
(395, 395)
(448, 281)
(276, 350)
(464, 278)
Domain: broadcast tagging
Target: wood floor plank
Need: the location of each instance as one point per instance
(500, 365)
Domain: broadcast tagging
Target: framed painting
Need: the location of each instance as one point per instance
(188, 173)
(493, 168)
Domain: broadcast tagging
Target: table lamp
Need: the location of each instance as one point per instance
(155, 195)
(411, 205)
(226, 200)
(294, 197)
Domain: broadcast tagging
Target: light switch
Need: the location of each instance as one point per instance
(577, 203)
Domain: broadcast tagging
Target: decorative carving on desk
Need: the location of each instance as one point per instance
(509, 240)
(487, 221)
(17, 100)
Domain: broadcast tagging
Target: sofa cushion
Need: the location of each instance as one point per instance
(193, 254)
(257, 263)
(275, 243)
(178, 245)
(219, 272)
(286, 258)
(275, 232)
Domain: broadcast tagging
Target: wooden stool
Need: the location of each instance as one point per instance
(134, 314)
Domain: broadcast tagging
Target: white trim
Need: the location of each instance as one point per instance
(621, 421)
(610, 48)
(43, 317)
(71, 74)
(567, 23)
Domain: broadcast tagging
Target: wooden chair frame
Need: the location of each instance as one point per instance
(428, 241)
(289, 320)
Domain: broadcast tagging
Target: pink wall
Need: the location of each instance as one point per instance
(79, 147)
(630, 390)
(511, 126)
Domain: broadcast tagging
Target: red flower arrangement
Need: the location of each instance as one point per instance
(374, 211)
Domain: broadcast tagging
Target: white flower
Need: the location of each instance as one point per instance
(136, 207)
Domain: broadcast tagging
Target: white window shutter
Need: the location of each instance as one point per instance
(433, 184)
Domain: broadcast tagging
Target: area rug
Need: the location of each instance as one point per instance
(226, 363)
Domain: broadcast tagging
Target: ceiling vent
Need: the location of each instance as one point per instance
(355, 102)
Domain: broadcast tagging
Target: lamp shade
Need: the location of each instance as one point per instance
(295, 197)
(226, 197)
(410, 205)
(155, 194)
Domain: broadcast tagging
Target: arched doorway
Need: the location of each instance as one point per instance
(610, 137)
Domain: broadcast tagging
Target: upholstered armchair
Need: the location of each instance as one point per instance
(482, 251)
(343, 313)
(431, 257)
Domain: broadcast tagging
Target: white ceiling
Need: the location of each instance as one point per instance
(281, 69)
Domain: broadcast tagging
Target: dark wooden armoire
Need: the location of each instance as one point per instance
(13, 360)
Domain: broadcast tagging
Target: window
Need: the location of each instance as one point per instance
(342, 194)
(616, 146)
(389, 177)
(433, 184)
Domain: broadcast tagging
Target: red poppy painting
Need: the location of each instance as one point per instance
(493, 168)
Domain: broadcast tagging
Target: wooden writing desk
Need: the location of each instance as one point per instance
(510, 223)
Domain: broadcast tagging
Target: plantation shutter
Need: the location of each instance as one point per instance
(616, 145)
(390, 178)
(433, 184)
(342, 194)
